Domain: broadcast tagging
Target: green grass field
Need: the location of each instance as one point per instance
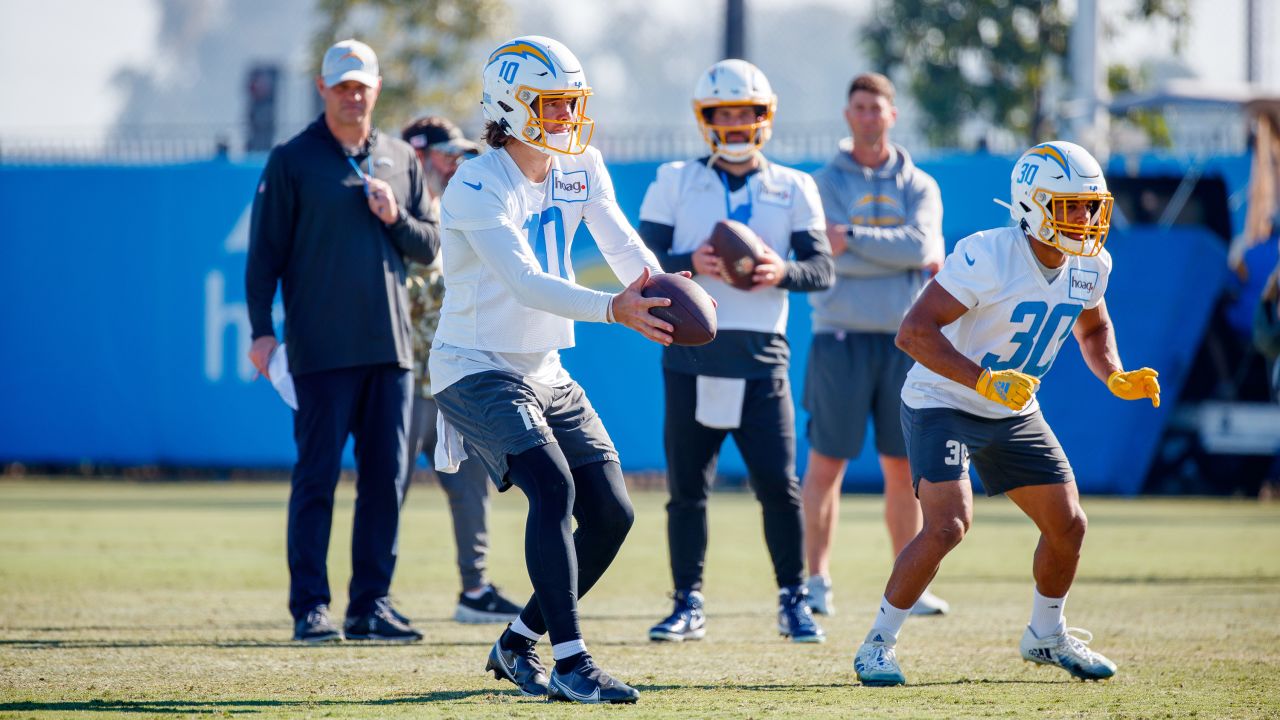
(141, 600)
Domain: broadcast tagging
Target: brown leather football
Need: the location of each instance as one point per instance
(691, 312)
(739, 249)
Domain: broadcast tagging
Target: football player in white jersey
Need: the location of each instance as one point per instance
(738, 383)
(508, 218)
(983, 333)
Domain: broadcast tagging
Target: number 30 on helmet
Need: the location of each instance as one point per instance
(525, 74)
(1059, 197)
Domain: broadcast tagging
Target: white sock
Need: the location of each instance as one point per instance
(518, 627)
(1046, 615)
(888, 622)
(563, 650)
(476, 594)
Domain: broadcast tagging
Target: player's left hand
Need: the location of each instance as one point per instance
(770, 270)
(382, 201)
(1135, 385)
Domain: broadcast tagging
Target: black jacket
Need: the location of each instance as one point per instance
(339, 266)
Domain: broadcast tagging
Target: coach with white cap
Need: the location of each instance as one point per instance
(337, 208)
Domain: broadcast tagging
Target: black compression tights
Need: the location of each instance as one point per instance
(564, 566)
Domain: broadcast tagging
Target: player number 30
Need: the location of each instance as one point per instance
(957, 453)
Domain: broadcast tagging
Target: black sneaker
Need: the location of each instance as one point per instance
(521, 666)
(315, 627)
(491, 607)
(586, 683)
(380, 623)
(686, 621)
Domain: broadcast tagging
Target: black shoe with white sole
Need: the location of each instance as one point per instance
(491, 607)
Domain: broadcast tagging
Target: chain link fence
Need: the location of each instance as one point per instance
(793, 143)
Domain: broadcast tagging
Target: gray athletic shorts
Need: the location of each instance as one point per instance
(1007, 453)
(851, 375)
(500, 414)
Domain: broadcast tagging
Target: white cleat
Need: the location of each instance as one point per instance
(877, 662)
(930, 604)
(821, 599)
(1069, 652)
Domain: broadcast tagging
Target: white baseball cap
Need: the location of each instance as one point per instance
(350, 60)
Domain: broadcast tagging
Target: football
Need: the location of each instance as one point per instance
(691, 312)
(739, 249)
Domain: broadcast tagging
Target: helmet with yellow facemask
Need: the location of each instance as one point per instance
(1059, 197)
(522, 77)
(734, 83)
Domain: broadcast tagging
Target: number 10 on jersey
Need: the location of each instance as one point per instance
(550, 248)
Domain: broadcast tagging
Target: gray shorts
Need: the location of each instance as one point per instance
(500, 414)
(851, 375)
(1008, 453)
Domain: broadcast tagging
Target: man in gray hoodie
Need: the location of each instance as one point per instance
(884, 222)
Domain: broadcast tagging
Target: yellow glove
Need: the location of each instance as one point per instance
(1007, 387)
(1135, 385)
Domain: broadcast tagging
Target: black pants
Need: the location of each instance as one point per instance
(766, 438)
(564, 566)
(372, 403)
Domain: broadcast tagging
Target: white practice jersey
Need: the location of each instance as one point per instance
(776, 202)
(1017, 320)
(510, 297)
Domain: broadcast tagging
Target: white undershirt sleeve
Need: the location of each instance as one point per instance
(503, 249)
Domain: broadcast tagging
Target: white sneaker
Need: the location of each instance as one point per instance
(821, 599)
(877, 662)
(930, 604)
(1068, 652)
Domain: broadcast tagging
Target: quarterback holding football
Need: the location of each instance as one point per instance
(509, 218)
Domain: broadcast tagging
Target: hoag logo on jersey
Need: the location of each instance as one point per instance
(569, 186)
(1083, 283)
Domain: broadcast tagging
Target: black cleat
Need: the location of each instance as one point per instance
(687, 621)
(586, 683)
(491, 607)
(521, 666)
(315, 627)
(381, 623)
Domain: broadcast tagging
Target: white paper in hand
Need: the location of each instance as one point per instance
(281, 380)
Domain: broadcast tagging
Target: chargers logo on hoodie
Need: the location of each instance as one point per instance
(877, 211)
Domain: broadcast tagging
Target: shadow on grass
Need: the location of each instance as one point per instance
(228, 706)
(792, 687)
(40, 644)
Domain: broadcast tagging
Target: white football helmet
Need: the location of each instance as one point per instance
(523, 74)
(734, 83)
(1050, 182)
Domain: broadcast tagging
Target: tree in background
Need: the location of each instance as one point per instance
(1122, 79)
(427, 50)
(989, 60)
